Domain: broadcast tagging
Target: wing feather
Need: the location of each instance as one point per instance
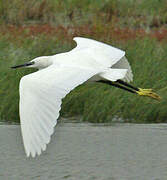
(40, 102)
(103, 53)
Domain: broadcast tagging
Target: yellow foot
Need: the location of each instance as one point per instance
(149, 93)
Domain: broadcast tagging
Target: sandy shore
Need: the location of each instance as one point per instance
(88, 152)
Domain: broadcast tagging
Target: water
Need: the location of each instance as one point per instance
(88, 152)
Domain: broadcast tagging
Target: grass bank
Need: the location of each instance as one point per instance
(95, 102)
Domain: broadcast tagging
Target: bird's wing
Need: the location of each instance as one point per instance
(40, 102)
(103, 53)
(124, 64)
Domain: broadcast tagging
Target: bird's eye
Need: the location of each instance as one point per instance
(32, 62)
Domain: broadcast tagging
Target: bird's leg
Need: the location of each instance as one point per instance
(128, 87)
(140, 91)
(115, 84)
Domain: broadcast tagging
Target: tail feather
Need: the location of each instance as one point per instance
(114, 74)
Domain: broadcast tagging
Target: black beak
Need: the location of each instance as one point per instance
(23, 65)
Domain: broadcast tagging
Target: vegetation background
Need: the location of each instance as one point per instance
(46, 27)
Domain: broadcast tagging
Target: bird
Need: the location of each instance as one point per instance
(41, 92)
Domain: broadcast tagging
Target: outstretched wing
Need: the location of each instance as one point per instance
(40, 102)
(103, 53)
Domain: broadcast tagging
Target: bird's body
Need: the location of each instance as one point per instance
(41, 92)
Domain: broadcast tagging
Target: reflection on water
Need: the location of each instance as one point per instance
(88, 152)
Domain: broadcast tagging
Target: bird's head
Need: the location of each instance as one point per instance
(39, 63)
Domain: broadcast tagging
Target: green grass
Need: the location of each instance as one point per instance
(125, 24)
(101, 103)
(95, 102)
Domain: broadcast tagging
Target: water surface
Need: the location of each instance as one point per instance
(88, 152)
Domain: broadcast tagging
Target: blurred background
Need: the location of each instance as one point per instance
(45, 27)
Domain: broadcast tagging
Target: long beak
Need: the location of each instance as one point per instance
(22, 65)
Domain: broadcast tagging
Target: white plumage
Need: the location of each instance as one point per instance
(41, 92)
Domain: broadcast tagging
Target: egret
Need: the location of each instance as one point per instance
(41, 92)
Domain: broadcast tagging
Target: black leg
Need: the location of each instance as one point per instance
(128, 85)
(123, 85)
(116, 85)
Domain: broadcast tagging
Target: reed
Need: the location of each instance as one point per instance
(34, 28)
(127, 13)
(95, 102)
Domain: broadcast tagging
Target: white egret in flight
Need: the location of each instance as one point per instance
(41, 92)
